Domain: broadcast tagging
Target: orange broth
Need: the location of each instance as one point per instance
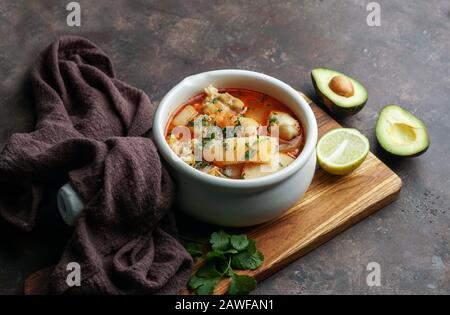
(259, 105)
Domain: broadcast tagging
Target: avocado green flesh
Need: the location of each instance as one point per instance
(321, 79)
(401, 133)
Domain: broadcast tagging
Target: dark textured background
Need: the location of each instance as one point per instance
(154, 44)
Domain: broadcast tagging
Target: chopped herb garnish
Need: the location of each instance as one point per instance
(201, 164)
(206, 142)
(214, 100)
(191, 123)
(238, 130)
(249, 154)
(281, 165)
(273, 119)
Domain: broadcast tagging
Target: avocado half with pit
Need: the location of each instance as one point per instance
(342, 95)
(401, 133)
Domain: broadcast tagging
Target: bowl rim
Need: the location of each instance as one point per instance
(180, 166)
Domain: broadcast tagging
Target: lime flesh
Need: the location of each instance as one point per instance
(342, 150)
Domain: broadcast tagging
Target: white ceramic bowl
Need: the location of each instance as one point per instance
(231, 202)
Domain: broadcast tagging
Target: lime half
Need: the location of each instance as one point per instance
(342, 150)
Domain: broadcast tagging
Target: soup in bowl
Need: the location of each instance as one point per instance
(239, 144)
(235, 133)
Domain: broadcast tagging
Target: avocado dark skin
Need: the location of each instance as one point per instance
(337, 110)
(387, 152)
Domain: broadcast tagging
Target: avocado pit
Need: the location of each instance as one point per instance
(342, 86)
(341, 94)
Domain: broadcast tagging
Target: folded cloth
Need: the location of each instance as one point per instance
(69, 204)
(89, 131)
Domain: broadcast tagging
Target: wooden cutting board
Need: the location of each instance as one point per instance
(331, 205)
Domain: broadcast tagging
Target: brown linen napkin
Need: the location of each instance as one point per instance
(89, 130)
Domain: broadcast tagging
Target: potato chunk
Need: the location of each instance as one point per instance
(232, 151)
(185, 116)
(277, 162)
(289, 127)
(249, 127)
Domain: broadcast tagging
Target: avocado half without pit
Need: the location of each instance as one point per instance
(341, 94)
(401, 133)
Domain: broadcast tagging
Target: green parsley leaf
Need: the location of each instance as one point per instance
(208, 270)
(241, 284)
(227, 252)
(194, 249)
(224, 266)
(248, 259)
(203, 286)
(251, 248)
(220, 254)
(220, 241)
(239, 242)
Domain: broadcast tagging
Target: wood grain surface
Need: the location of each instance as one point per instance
(331, 205)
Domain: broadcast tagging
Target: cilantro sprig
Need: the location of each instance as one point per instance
(226, 254)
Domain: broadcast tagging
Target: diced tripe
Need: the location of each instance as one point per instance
(182, 148)
(278, 162)
(289, 127)
(240, 150)
(233, 102)
(185, 116)
(216, 101)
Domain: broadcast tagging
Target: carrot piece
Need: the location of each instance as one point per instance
(198, 107)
